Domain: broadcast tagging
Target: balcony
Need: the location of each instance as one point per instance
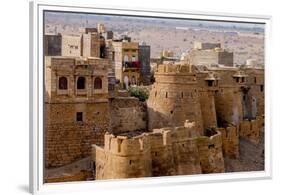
(131, 65)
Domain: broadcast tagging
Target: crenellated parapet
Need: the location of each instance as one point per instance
(175, 74)
(125, 146)
(252, 129)
(123, 157)
(161, 152)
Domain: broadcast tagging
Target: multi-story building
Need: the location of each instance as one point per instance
(208, 54)
(76, 107)
(88, 43)
(76, 94)
(144, 57)
(127, 64)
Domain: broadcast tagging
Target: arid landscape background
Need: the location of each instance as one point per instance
(244, 39)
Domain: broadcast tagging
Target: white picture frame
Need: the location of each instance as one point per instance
(36, 184)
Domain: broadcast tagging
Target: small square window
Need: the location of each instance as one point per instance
(210, 83)
(79, 116)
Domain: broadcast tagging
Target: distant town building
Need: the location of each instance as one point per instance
(204, 46)
(87, 44)
(127, 64)
(251, 62)
(167, 54)
(208, 54)
(108, 35)
(101, 28)
(144, 57)
(53, 45)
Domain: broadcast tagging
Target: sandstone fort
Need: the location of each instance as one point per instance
(200, 112)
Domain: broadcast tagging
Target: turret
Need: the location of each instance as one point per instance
(174, 97)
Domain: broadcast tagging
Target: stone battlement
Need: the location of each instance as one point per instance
(173, 69)
(165, 151)
(124, 146)
(251, 129)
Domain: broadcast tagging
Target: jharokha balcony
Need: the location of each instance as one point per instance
(131, 65)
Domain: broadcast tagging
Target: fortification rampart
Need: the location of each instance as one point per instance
(210, 152)
(123, 157)
(251, 129)
(127, 114)
(166, 151)
(174, 98)
(230, 141)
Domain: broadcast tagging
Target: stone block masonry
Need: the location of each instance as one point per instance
(251, 129)
(68, 140)
(127, 114)
(230, 141)
(174, 98)
(162, 152)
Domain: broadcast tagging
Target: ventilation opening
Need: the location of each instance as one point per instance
(261, 88)
(211, 146)
(171, 111)
(79, 116)
(102, 51)
(210, 83)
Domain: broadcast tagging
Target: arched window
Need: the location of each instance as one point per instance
(62, 83)
(81, 83)
(98, 83)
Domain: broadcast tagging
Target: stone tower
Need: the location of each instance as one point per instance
(174, 98)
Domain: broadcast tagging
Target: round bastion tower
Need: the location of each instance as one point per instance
(174, 98)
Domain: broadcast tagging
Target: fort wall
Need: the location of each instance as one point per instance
(69, 140)
(210, 152)
(230, 141)
(251, 129)
(228, 97)
(162, 152)
(123, 158)
(127, 114)
(185, 150)
(207, 87)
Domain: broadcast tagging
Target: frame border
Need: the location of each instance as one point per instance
(36, 9)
